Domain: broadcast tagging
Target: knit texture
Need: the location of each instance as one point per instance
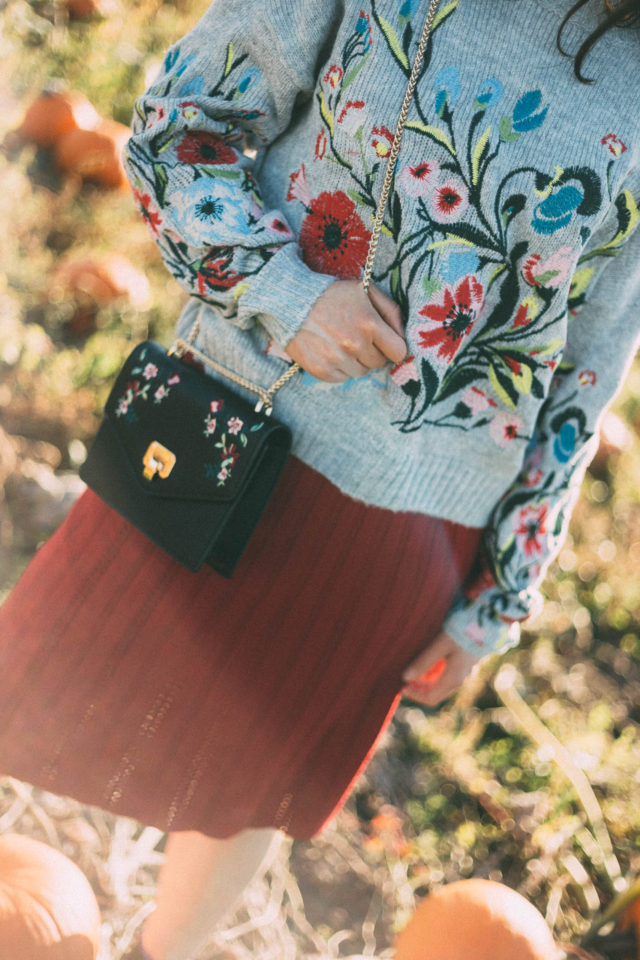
(509, 243)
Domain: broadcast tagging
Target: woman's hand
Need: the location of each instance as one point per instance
(437, 671)
(348, 333)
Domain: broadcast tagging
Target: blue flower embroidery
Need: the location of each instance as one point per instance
(556, 211)
(210, 210)
(194, 86)
(527, 114)
(447, 87)
(248, 79)
(459, 263)
(408, 8)
(490, 93)
(565, 442)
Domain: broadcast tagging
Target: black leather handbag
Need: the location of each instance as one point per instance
(185, 458)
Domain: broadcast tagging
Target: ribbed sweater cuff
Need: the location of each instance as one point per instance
(283, 293)
(478, 637)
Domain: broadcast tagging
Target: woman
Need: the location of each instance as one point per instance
(442, 424)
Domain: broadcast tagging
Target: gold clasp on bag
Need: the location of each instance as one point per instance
(158, 460)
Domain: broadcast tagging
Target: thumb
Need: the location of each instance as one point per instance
(388, 309)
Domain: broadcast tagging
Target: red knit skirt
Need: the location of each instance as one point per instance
(193, 702)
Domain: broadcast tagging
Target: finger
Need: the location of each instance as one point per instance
(391, 344)
(352, 368)
(371, 357)
(438, 649)
(388, 309)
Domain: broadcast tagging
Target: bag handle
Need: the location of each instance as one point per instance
(266, 395)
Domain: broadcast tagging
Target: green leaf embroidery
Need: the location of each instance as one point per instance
(358, 197)
(503, 386)
(506, 131)
(438, 135)
(478, 154)
(353, 73)
(394, 43)
(444, 13)
(161, 180)
(229, 63)
(494, 276)
(627, 209)
(219, 173)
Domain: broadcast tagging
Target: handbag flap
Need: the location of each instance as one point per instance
(185, 434)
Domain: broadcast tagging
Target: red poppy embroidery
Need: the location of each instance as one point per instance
(452, 319)
(333, 237)
(615, 144)
(531, 529)
(149, 213)
(215, 273)
(205, 148)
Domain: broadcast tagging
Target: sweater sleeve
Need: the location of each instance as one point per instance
(230, 84)
(529, 523)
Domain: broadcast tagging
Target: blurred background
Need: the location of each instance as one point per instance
(530, 775)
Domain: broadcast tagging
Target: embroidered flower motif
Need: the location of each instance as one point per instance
(532, 472)
(204, 148)
(405, 372)
(527, 114)
(381, 141)
(333, 238)
(299, 188)
(216, 406)
(490, 93)
(526, 312)
(553, 272)
(210, 424)
(149, 211)
(447, 88)
(451, 318)
(565, 441)
(458, 263)
(234, 425)
(150, 371)
(363, 29)
(474, 632)
(160, 393)
(321, 146)
(505, 428)
(215, 271)
(210, 210)
(420, 180)
(333, 76)
(587, 378)
(154, 116)
(449, 201)
(555, 211)
(531, 529)
(223, 475)
(247, 80)
(279, 227)
(190, 110)
(350, 117)
(477, 400)
(615, 145)
(407, 9)
(122, 407)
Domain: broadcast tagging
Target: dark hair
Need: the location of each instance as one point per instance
(620, 13)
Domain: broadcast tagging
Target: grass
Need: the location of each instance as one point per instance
(467, 791)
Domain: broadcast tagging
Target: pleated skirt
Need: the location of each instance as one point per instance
(188, 701)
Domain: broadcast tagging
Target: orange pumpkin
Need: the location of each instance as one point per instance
(54, 114)
(476, 920)
(47, 908)
(102, 280)
(95, 154)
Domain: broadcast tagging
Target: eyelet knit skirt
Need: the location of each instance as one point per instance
(191, 702)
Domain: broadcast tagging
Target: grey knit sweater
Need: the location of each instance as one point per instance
(510, 244)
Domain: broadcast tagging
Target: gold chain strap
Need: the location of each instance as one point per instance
(266, 395)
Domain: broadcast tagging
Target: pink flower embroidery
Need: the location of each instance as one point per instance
(223, 475)
(614, 144)
(123, 406)
(160, 393)
(299, 188)
(504, 428)
(477, 400)
(419, 181)
(234, 425)
(216, 405)
(449, 201)
(553, 272)
(531, 529)
(350, 117)
(451, 318)
(405, 371)
(211, 424)
(173, 379)
(150, 371)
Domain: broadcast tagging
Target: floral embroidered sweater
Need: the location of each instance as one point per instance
(509, 242)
